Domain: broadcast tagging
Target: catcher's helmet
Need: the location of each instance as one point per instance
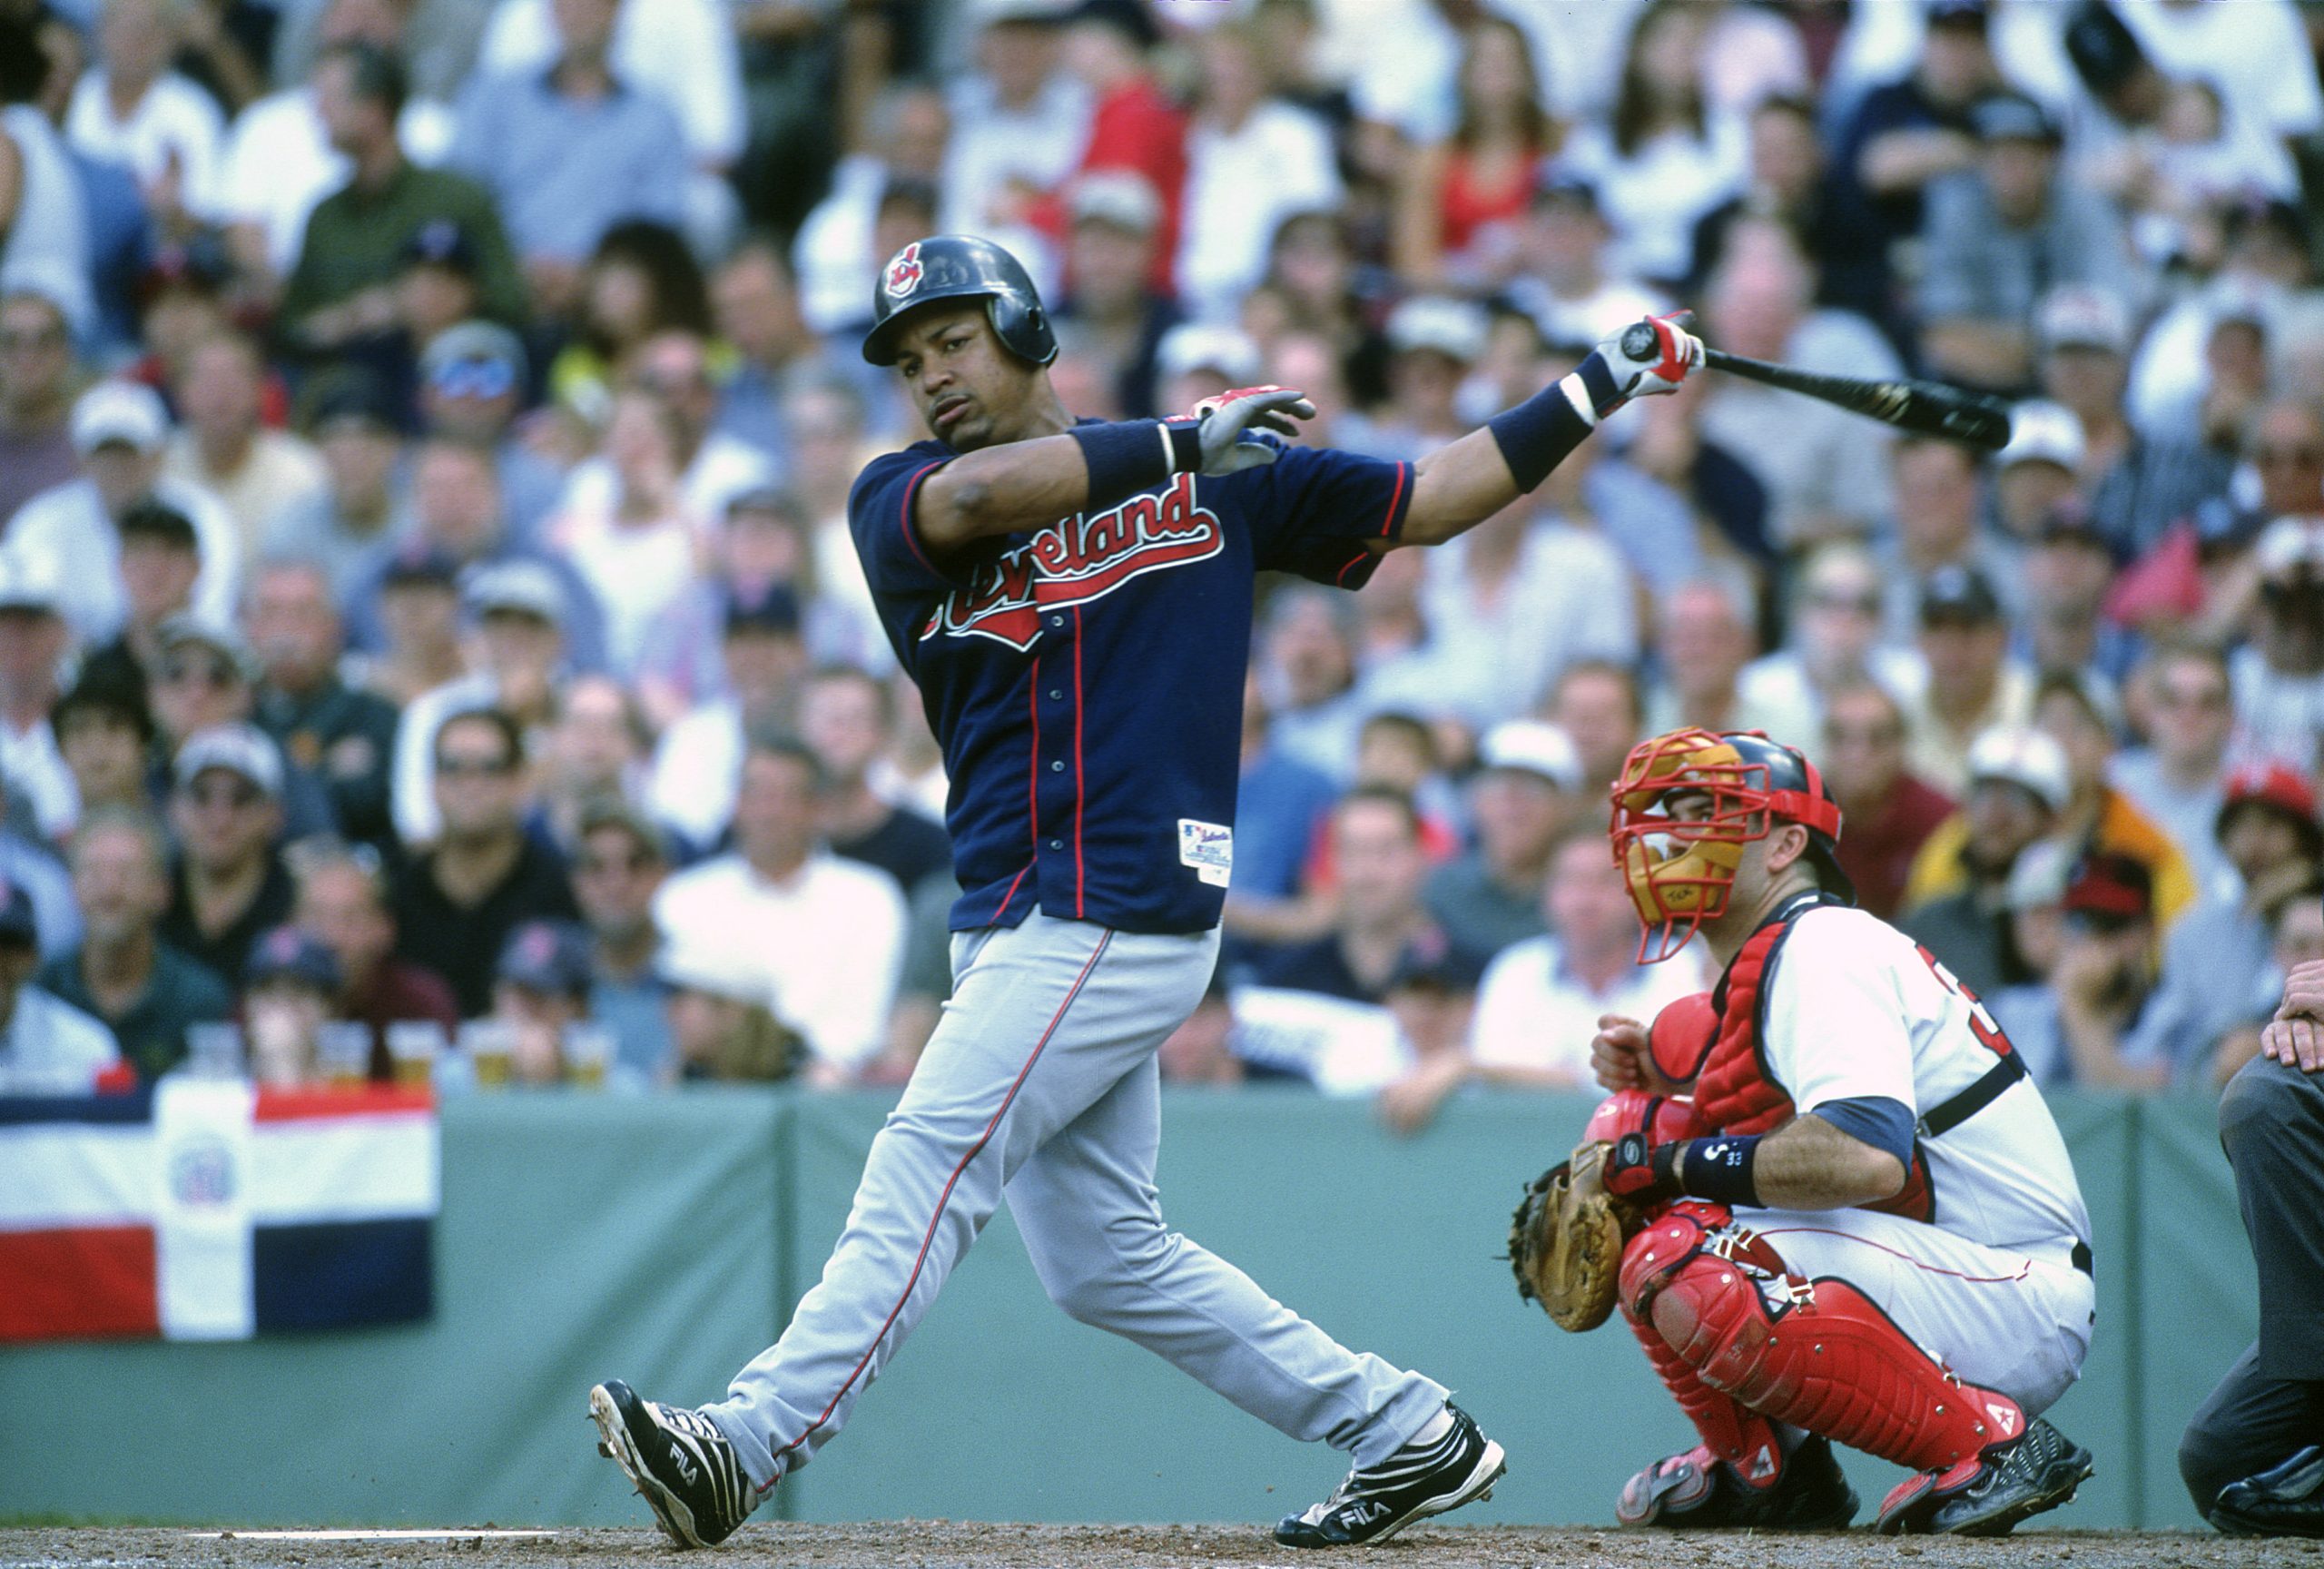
(1680, 872)
(958, 267)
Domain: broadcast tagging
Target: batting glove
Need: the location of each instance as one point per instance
(1228, 425)
(1644, 359)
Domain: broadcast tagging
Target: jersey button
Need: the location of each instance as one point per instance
(1057, 620)
(1056, 844)
(1056, 695)
(1056, 767)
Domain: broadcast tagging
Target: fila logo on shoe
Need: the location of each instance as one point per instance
(686, 1467)
(1364, 1512)
(2004, 1418)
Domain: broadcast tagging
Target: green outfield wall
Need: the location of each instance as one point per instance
(663, 1241)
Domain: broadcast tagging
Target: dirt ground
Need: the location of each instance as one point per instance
(949, 1544)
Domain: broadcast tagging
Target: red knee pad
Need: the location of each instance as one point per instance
(1663, 1119)
(1822, 1357)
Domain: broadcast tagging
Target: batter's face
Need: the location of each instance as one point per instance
(972, 391)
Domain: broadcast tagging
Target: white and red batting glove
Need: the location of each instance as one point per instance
(1644, 359)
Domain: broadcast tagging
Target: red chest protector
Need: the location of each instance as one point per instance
(1712, 1041)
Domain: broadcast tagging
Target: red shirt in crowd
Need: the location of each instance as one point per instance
(1137, 128)
(1877, 847)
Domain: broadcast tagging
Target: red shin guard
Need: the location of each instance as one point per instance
(1822, 1357)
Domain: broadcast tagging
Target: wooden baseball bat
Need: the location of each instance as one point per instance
(1928, 407)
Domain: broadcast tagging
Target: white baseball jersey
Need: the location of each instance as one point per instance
(1855, 1008)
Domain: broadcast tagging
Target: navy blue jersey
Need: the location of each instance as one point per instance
(1086, 679)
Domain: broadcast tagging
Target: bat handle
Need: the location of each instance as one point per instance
(1639, 339)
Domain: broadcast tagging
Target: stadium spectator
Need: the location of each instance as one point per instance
(455, 902)
(343, 736)
(570, 150)
(1542, 999)
(2104, 976)
(125, 973)
(1252, 161)
(1887, 812)
(33, 641)
(419, 603)
(824, 936)
(2138, 483)
(1788, 181)
(131, 108)
(620, 860)
(226, 813)
(104, 732)
(222, 447)
(2216, 959)
(2017, 788)
(2063, 628)
(637, 543)
(1598, 706)
(1703, 640)
(755, 302)
(1115, 320)
(1307, 674)
(838, 245)
(349, 525)
(340, 292)
(1526, 796)
(845, 717)
(2278, 674)
(720, 1028)
(2039, 471)
(473, 386)
(207, 677)
(700, 756)
(826, 417)
(1938, 490)
(37, 378)
(594, 751)
(161, 562)
(1433, 999)
(50, 243)
(1461, 203)
(1835, 643)
(1568, 286)
(541, 997)
(1133, 125)
(47, 1046)
(1019, 118)
(120, 432)
(1997, 234)
(640, 281)
(1381, 868)
(1969, 683)
(342, 903)
(2179, 778)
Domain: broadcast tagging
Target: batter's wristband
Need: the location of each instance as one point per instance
(1129, 456)
(1718, 1169)
(1535, 436)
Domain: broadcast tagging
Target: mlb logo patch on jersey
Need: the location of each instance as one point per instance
(1208, 848)
(904, 272)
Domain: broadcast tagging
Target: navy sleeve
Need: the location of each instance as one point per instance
(1312, 512)
(880, 516)
(1873, 1119)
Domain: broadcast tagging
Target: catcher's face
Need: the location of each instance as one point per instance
(1689, 833)
(972, 391)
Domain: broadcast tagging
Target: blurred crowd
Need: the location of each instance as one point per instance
(430, 639)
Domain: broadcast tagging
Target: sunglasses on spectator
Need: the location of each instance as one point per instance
(475, 379)
(214, 674)
(241, 797)
(472, 767)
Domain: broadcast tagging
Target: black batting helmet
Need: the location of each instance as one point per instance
(960, 267)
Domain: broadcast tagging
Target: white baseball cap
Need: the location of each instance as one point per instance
(2083, 316)
(2038, 879)
(1120, 197)
(2024, 757)
(29, 580)
(1452, 328)
(239, 748)
(526, 587)
(2041, 432)
(119, 412)
(1532, 746)
(1228, 350)
(2288, 544)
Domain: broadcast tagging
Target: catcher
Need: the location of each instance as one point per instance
(1860, 1225)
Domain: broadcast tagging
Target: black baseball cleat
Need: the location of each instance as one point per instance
(1989, 1494)
(1696, 1490)
(681, 1464)
(1415, 1482)
(2286, 1500)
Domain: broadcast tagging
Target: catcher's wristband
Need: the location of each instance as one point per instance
(1718, 1169)
(1535, 436)
(1128, 456)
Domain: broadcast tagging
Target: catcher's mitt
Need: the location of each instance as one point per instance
(1565, 1241)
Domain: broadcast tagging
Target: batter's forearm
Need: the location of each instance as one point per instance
(1001, 489)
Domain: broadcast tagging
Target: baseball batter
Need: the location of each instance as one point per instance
(1074, 598)
(1865, 1227)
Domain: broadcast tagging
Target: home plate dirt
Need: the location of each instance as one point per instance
(950, 1544)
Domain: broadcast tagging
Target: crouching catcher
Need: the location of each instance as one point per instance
(1826, 1196)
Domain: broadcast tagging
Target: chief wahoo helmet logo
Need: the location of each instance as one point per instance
(904, 271)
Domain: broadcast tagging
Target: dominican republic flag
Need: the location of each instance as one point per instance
(206, 1209)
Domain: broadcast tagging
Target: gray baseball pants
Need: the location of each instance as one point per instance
(1040, 1085)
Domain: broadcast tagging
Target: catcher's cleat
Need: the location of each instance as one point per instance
(1697, 1490)
(2286, 1500)
(681, 1464)
(1988, 1494)
(1415, 1482)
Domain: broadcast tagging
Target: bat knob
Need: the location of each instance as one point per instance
(1638, 341)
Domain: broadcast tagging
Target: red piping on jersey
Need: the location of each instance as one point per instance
(1352, 562)
(912, 488)
(1005, 898)
(1396, 496)
(928, 1239)
(1081, 787)
(2023, 1270)
(1033, 764)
